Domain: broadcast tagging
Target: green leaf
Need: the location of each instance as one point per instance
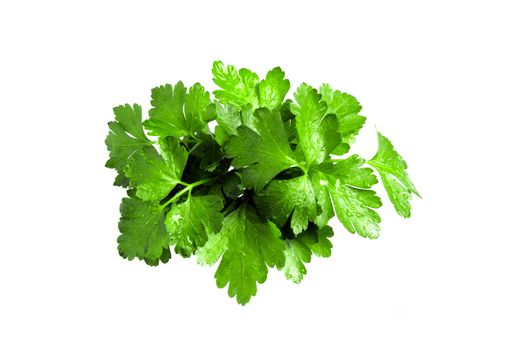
(350, 172)
(286, 112)
(143, 234)
(346, 108)
(130, 118)
(322, 196)
(318, 132)
(212, 251)
(154, 176)
(262, 154)
(352, 204)
(296, 255)
(237, 88)
(252, 244)
(198, 109)
(273, 89)
(190, 223)
(342, 149)
(282, 197)
(354, 208)
(348, 183)
(299, 250)
(176, 114)
(392, 169)
(208, 151)
(126, 137)
(232, 185)
(174, 154)
(167, 116)
(317, 240)
(229, 118)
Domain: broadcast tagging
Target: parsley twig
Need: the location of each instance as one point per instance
(188, 188)
(268, 184)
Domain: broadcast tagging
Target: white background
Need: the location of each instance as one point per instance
(443, 80)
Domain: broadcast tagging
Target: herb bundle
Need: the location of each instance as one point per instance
(250, 178)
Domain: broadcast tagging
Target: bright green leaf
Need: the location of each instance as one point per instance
(299, 251)
(196, 111)
(282, 197)
(264, 153)
(346, 108)
(322, 196)
(190, 223)
(212, 251)
(350, 172)
(348, 183)
(229, 118)
(392, 169)
(126, 137)
(154, 176)
(317, 240)
(296, 254)
(317, 131)
(273, 89)
(143, 234)
(252, 245)
(238, 88)
(176, 114)
(355, 208)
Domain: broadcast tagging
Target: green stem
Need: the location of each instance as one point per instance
(190, 139)
(194, 147)
(188, 188)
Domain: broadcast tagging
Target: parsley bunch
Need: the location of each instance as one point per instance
(248, 178)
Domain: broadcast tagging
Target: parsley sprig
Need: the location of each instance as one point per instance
(250, 179)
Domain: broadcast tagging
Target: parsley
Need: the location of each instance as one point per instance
(258, 190)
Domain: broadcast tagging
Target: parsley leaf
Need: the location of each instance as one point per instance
(348, 184)
(355, 208)
(317, 239)
(392, 169)
(143, 234)
(154, 176)
(263, 153)
(350, 171)
(176, 113)
(322, 196)
(299, 251)
(346, 108)
(191, 222)
(281, 197)
(318, 132)
(296, 255)
(238, 88)
(229, 118)
(125, 138)
(273, 89)
(250, 244)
